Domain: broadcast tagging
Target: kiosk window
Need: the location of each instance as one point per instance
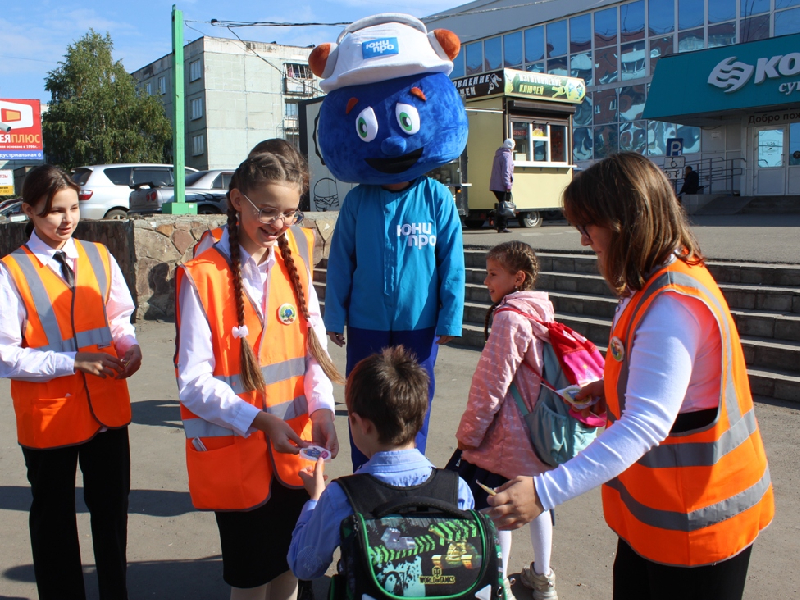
(539, 142)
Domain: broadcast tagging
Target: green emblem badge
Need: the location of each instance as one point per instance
(287, 313)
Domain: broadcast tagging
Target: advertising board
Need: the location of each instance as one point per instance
(20, 130)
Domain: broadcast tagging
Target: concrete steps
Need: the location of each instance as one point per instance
(764, 300)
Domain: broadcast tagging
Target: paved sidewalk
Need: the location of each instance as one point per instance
(750, 238)
(173, 550)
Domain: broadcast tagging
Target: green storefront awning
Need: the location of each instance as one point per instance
(710, 86)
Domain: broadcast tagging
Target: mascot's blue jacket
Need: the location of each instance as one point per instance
(409, 244)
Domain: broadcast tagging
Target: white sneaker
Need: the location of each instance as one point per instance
(543, 587)
(509, 595)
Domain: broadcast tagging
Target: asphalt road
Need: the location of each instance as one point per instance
(746, 238)
(173, 550)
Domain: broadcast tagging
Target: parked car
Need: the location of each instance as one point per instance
(206, 188)
(11, 211)
(105, 189)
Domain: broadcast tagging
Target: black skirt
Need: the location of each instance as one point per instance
(472, 474)
(255, 542)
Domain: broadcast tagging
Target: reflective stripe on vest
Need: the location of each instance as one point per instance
(294, 367)
(197, 427)
(696, 519)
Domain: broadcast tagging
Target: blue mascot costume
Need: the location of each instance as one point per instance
(396, 267)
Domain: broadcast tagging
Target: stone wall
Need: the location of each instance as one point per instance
(149, 249)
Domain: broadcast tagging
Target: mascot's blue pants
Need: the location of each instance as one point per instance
(422, 342)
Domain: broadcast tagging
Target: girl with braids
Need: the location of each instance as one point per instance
(253, 373)
(493, 443)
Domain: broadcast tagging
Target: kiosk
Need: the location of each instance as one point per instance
(535, 109)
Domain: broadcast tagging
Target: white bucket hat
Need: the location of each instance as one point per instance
(382, 47)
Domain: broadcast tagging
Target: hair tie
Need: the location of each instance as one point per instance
(240, 332)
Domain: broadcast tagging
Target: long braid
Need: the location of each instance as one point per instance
(314, 345)
(488, 319)
(250, 376)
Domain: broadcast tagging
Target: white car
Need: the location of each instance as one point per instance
(205, 188)
(106, 189)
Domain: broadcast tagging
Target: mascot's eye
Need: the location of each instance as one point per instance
(407, 117)
(367, 124)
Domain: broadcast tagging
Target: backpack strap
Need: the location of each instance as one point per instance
(367, 494)
(541, 376)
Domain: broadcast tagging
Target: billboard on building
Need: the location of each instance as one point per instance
(20, 130)
(6, 182)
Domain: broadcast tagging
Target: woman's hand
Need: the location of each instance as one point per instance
(592, 390)
(99, 364)
(314, 479)
(336, 338)
(280, 434)
(323, 431)
(131, 362)
(515, 504)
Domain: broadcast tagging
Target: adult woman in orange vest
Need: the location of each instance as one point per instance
(687, 486)
(67, 343)
(253, 373)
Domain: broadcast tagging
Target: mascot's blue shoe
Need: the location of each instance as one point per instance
(391, 114)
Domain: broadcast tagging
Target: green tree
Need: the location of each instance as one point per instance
(96, 115)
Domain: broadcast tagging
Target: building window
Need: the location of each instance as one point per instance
(631, 20)
(298, 71)
(458, 65)
(493, 54)
(534, 44)
(195, 71)
(787, 22)
(690, 14)
(720, 11)
(556, 39)
(662, 16)
(605, 27)
(162, 85)
(196, 108)
(753, 7)
(149, 88)
(512, 49)
(580, 34)
(290, 110)
(198, 145)
(474, 58)
(754, 29)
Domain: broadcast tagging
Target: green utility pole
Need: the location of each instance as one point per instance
(178, 206)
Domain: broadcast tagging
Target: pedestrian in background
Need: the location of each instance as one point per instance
(67, 343)
(687, 485)
(501, 182)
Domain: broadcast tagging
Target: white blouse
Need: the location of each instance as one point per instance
(214, 400)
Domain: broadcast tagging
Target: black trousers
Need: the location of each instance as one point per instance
(500, 223)
(636, 578)
(105, 464)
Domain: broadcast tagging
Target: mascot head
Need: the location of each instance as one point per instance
(391, 113)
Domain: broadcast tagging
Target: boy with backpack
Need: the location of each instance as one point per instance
(398, 517)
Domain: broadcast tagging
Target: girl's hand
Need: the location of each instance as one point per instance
(280, 434)
(336, 338)
(591, 390)
(314, 479)
(515, 504)
(99, 364)
(323, 431)
(131, 362)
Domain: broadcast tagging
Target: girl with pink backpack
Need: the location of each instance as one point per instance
(494, 439)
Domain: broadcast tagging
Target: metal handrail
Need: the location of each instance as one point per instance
(717, 169)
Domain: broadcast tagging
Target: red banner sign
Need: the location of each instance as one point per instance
(20, 130)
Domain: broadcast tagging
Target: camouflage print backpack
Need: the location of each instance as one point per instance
(415, 542)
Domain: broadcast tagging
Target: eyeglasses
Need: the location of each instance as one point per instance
(582, 230)
(269, 216)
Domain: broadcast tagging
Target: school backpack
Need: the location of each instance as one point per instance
(558, 433)
(415, 542)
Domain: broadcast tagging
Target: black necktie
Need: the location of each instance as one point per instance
(66, 270)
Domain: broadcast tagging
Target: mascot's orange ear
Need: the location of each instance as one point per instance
(319, 58)
(447, 40)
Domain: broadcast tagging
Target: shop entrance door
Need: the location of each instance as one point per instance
(770, 147)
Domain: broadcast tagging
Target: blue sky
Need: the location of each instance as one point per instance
(36, 33)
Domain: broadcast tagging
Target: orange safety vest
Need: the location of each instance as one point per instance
(208, 239)
(701, 496)
(66, 410)
(234, 472)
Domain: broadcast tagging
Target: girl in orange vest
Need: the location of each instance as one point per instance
(253, 373)
(67, 343)
(686, 483)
